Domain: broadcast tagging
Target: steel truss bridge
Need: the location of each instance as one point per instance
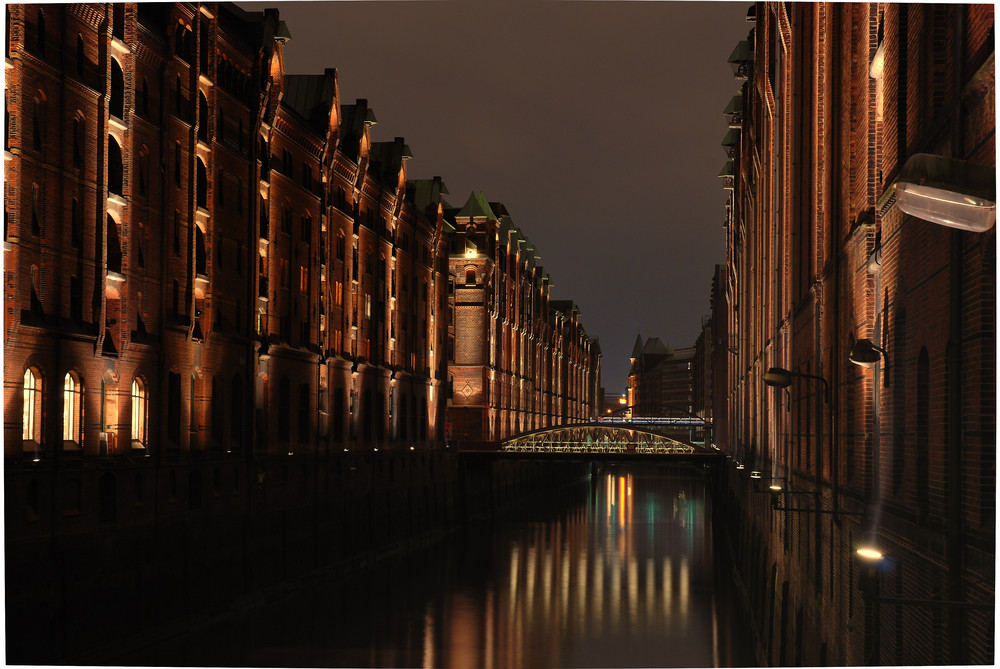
(604, 438)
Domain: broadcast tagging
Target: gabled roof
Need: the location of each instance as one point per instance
(426, 193)
(637, 349)
(654, 346)
(311, 96)
(477, 207)
(387, 160)
(352, 126)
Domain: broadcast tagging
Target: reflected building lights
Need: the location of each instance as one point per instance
(429, 660)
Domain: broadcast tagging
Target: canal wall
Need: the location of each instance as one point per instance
(779, 608)
(118, 552)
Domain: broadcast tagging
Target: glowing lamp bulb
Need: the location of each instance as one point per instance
(869, 553)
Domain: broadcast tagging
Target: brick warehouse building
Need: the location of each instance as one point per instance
(221, 295)
(518, 361)
(835, 102)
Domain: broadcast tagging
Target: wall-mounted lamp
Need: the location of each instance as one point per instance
(778, 377)
(947, 191)
(865, 353)
(870, 553)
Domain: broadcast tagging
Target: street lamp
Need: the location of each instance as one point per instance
(778, 377)
(947, 191)
(866, 354)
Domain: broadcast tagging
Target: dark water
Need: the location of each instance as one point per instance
(619, 571)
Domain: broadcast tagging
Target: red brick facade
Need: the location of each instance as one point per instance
(818, 257)
(518, 360)
(190, 230)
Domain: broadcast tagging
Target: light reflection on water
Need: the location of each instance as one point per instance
(619, 573)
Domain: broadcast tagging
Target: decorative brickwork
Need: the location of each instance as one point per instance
(834, 106)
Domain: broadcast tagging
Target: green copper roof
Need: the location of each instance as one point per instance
(735, 105)
(742, 53)
(732, 138)
(727, 169)
(477, 207)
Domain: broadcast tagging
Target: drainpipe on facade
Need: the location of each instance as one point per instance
(956, 529)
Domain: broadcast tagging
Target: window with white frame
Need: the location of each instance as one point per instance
(72, 409)
(32, 404)
(139, 406)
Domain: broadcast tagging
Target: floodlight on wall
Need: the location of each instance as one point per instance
(947, 191)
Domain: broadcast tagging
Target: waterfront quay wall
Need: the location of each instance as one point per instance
(109, 552)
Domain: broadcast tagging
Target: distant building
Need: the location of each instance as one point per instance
(660, 379)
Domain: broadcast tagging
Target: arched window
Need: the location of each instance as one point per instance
(32, 406)
(40, 33)
(202, 117)
(36, 211)
(80, 57)
(78, 138)
(200, 254)
(114, 247)
(37, 122)
(341, 246)
(117, 104)
(139, 408)
(202, 184)
(143, 168)
(72, 410)
(116, 170)
(118, 21)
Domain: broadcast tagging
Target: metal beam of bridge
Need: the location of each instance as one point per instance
(598, 438)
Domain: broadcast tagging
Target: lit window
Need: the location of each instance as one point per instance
(139, 406)
(368, 306)
(303, 279)
(71, 409)
(32, 389)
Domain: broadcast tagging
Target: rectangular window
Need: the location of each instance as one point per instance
(303, 279)
(339, 294)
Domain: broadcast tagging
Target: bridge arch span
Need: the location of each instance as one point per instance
(600, 438)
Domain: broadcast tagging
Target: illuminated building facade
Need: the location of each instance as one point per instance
(226, 329)
(213, 255)
(836, 100)
(517, 361)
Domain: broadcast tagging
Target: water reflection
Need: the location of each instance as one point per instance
(617, 572)
(631, 584)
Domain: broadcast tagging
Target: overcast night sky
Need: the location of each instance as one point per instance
(598, 124)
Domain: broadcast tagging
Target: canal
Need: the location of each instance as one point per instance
(617, 571)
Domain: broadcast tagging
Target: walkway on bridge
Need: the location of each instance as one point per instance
(601, 438)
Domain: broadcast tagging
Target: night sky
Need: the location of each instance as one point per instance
(598, 124)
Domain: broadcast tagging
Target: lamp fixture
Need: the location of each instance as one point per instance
(778, 377)
(755, 474)
(947, 191)
(865, 353)
(870, 553)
